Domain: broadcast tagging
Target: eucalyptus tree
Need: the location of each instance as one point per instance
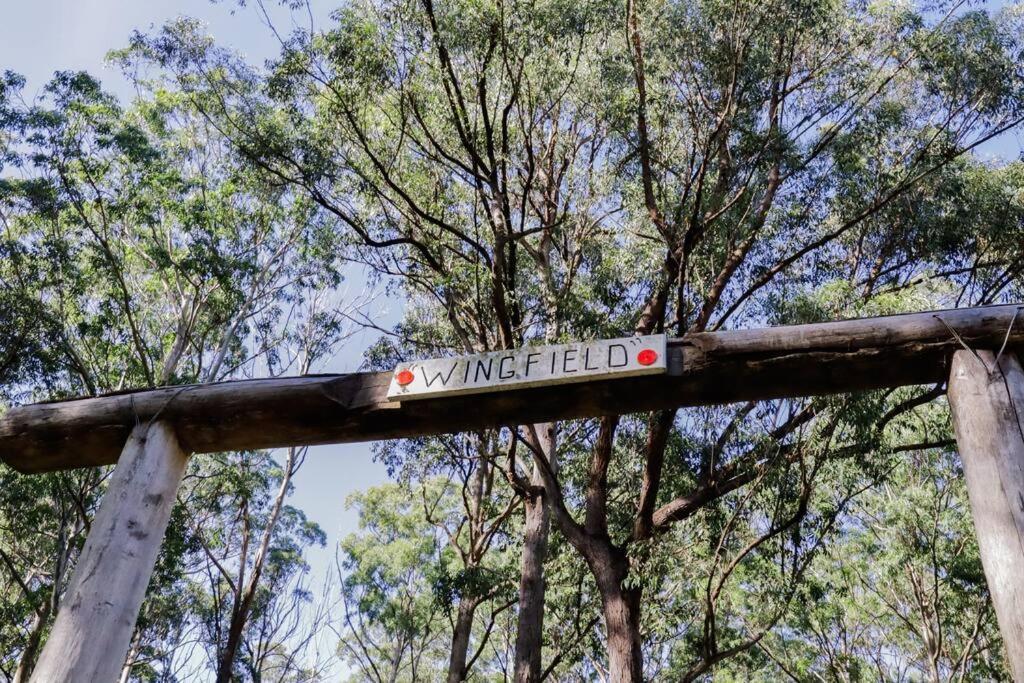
(394, 626)
(553, 181)
(143, 254)
(532, 170)
(409, 574)
(250, 542)
(477, 573)
(20, 356)
(906, 595)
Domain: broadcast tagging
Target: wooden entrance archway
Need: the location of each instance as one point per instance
(149, 434)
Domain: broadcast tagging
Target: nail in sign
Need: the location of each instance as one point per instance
(530, 367)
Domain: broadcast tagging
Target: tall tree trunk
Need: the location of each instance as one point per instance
(530, 633)
(621, 607)
(607, 562)
(243, 601)
(227, 659)
(622, 620)
(479, 489)
(35, 636)
(460, 640)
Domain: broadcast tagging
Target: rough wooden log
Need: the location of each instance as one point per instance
(987, 403)
(705, 368)
(91, 634)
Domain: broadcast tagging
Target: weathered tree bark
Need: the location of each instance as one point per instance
(460, 640)
(622, 621)
(987, 403)
(621, 607)
(705, 368)
(608, 563)
(530, 623)
(91, 633)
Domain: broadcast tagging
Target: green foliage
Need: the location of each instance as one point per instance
(393, 617)
(136, 250)
(904, 595)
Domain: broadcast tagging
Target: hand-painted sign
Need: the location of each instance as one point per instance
(530, 366)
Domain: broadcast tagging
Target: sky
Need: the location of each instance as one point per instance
(40, 37)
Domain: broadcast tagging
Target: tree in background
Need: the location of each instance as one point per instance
(904, 596)
(393, 622)
(142, 253)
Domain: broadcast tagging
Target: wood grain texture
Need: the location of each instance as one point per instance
(987, 403)
(704, 369)
(91, 634)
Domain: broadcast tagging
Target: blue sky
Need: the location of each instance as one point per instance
(42, 36)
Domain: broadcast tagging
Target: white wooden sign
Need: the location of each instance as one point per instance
(530, 366)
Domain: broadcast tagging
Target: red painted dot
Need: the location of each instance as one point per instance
(405, 377)
(647, 357)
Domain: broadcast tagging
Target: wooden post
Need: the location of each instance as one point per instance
(987, 403)
(93, 628)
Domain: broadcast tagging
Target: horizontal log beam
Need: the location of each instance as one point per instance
(704, 368)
